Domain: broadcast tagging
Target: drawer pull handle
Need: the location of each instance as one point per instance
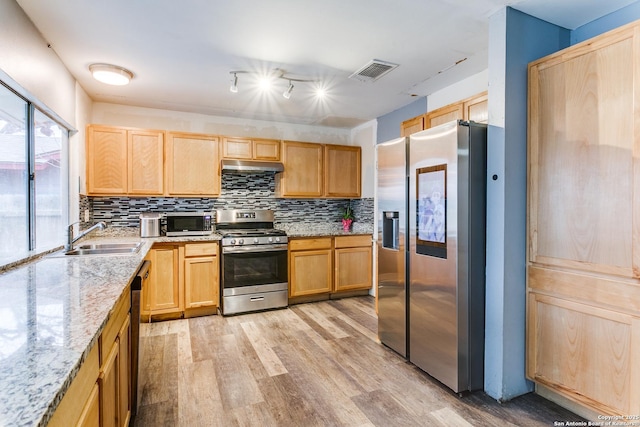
(260, 298)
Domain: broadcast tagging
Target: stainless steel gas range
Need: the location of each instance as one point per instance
(254, 274)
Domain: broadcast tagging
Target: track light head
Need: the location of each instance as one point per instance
(287, 93)
(234, 83)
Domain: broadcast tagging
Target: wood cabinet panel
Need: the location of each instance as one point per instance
(310, 272)
(583, 303)
(192, 165)
(342, 171)
(237, 148)
(352, 241)
(413, 125)
(201, 281)
(145, 162)
(266, 149)
(108, 382)
(584, 138)
(106, 160)
(200, 249)
(90, 416)
(443, 115)
(77, 403)
(352, 268)
(164, 282)
(584, 349)
(310, 243)
(303, 170)
(476, 109)
(124, 373)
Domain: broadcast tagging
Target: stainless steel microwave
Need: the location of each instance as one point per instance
(188, 223)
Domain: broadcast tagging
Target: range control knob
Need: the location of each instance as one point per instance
(233, 241)
(255, 240)
(270, 239)
(240, 241)
(277, 239)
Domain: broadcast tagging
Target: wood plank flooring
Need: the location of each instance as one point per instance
(316, 364)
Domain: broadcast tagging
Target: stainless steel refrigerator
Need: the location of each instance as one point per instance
(431, 198)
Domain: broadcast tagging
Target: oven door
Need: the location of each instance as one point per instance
(254, 269)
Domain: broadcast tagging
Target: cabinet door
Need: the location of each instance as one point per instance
(303, 170)
(90, 416)
(164, 282)
(145, 301)
(106, 160)
(412, 126)
(476, 109)
(342, 171)
(266, 149)
(124, 373)
(201, 281)
(309, 272)
(352, 268)
(146, 162)
(237, 148)
(192, 165)
(109, 377)
(443, 115)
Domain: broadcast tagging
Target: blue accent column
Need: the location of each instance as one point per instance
(515, 39)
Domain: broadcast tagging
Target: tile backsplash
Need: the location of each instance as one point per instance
(238, 191)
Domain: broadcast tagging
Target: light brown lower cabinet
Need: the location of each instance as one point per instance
(310, 266)
(352, 263)
(329, 265)
(183, 281)
(100, 394)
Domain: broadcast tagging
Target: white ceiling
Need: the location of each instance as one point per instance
(181, 52)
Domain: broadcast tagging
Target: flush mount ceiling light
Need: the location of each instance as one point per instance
(111, 74)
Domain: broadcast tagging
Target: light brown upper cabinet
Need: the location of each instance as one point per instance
(303, 170)
(342, 171)
(106, 160)
(443, 115)
(476, 109)
(145, 162)
(124, 161)
(250, 149)
(413, 125)
(583, 272)
(192, 165)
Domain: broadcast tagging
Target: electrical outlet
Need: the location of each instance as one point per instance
(86, 215)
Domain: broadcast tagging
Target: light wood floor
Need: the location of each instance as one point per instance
(316, 364)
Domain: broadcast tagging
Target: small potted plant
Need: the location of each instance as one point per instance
(347, 217)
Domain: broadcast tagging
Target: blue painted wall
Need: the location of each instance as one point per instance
(608, 22)
(389, 124)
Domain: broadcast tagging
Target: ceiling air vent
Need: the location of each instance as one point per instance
(373, 70)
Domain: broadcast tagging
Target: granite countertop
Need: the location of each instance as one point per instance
(54, 308)
(324, 229)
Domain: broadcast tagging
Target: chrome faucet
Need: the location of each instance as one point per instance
(71, 240)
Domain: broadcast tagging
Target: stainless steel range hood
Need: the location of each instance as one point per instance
(250, 166)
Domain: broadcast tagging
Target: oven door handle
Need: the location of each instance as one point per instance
(256, 249)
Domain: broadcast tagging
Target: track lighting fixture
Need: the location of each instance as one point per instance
(287, 93)
(266, 82)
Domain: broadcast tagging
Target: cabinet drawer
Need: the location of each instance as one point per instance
(352, 241)
(200, 249)
(305, 244)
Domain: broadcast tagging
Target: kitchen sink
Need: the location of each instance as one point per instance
(105, 249)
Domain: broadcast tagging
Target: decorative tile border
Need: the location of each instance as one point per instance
(239, 191)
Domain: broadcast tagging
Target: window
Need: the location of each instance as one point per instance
(33, 179)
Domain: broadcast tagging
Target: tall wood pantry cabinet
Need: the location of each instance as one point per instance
(583, 272)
